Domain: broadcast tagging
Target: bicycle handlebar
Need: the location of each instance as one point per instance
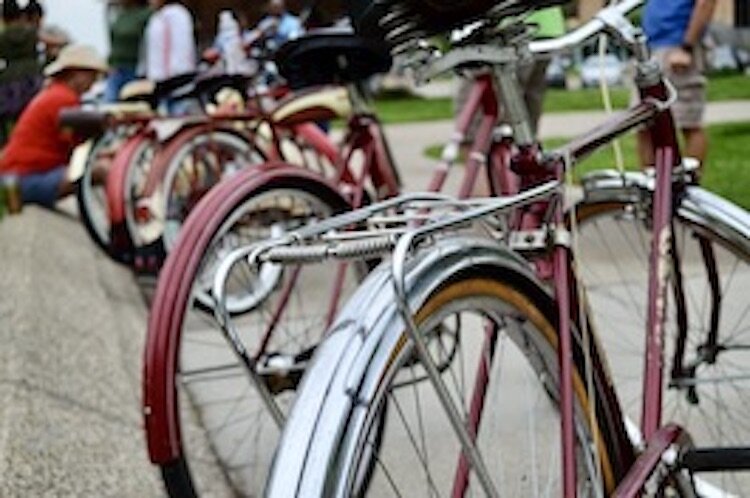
(601, 21)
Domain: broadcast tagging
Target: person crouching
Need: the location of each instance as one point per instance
(39, 150)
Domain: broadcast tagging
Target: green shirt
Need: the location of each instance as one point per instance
(551, 22)
(125, 36)
(18, 53)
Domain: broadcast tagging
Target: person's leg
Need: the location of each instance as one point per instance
(696, 143)
(117, 79)
(645, 149)
(687, 110)
(45, 188)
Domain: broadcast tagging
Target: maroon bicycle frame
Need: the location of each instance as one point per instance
(667, 156)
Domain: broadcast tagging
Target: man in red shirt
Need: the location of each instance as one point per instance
(39, 150)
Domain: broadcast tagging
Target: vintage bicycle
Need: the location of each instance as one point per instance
(186, 355)
(417, 385)
(275, 369)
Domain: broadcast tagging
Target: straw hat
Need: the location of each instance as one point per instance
(76, 57)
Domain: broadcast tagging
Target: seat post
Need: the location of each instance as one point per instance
(514, 105)
(359, 96)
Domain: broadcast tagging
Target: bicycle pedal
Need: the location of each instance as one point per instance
(718, 459)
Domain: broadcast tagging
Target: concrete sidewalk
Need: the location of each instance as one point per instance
(71, 328)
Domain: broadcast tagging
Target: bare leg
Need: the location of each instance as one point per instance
(645, 149)
(696, 143)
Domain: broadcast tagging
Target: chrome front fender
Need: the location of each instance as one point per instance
(340, 382)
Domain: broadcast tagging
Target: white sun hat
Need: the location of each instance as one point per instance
(76, 57)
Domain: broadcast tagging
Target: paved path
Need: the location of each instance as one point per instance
(71, 341)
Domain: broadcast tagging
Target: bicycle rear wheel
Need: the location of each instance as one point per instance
(708, 391)
(492, 334)
(195, 162)
(91, 198)
(207, 426)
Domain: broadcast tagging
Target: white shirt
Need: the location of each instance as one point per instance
(170, 43)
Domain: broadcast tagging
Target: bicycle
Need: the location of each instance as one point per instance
(400, 334)
(115, 137)
(196, 158)
(269, 200)
(159, 166)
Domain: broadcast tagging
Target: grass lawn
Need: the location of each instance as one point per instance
(727, 171)
(404, 109)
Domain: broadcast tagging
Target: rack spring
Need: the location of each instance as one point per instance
(354, 249)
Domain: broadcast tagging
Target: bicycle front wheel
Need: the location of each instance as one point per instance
(368, 421)
(706, 381)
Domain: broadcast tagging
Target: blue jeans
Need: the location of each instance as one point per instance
(42, 188)
(118, 78)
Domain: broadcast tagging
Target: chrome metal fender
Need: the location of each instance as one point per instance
(367, 330)
(697, 206)
(706, 209)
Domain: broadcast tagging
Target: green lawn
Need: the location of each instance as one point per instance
(404, 109)
(727, 170)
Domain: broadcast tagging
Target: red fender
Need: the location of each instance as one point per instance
(115, 188)
(166, 152)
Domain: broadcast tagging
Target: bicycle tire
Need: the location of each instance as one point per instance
(169, 348)
(365, 353)
(149, 235)
(92, 206)
(245, 154)
(613, 250)
(135, 153)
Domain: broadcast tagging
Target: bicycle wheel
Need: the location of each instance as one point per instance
(491, 333)
(195, 167)
(194, 163)
(207, 427)
(135, 154)
(710, 395)
(91, 198)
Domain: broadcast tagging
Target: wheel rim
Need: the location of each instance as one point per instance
(201, 164)
(94, 197)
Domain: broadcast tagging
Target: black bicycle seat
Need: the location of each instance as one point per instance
(331, 57)
(175, 87)
(428, 17)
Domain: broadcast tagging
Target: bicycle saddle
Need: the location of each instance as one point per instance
(331, 56)
(399, 20)
(138, 91)
(175, 87)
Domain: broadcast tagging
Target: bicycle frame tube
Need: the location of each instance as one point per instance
(482, 103)
(667, 156)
